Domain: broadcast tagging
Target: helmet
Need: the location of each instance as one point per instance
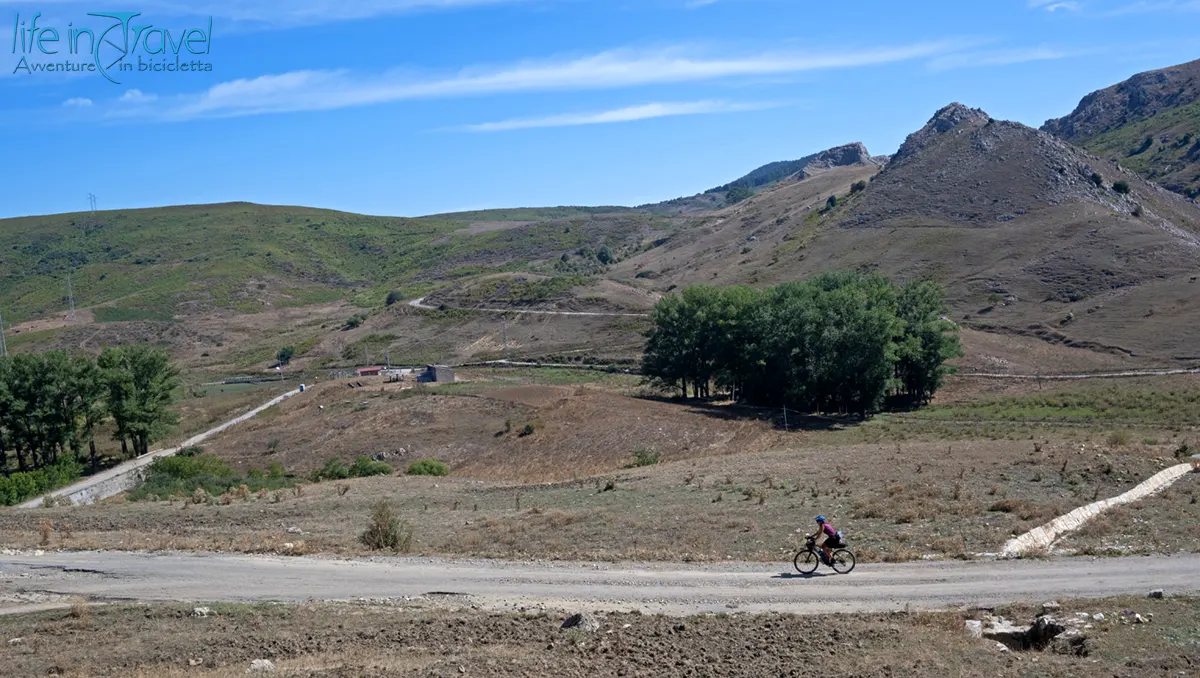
(820, 519)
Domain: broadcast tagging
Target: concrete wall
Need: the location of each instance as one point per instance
(127, 476)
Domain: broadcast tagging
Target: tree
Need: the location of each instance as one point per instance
(285, 355)
(831, 203)
(927, 342)
(394, 297)
(605, 256)
(1097, 179)
(1121, 187)
(139, 380)
(858, 187)
(738, 194)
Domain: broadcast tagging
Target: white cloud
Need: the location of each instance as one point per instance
(1003, 57)
(327, 90)
(77, 102)
(1055, 5)
(628, 114)
(137, 96)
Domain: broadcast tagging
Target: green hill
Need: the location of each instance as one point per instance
(157, 264)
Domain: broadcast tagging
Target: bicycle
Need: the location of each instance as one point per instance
(808, 559)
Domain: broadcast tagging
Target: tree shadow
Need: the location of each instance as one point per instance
(736, 412)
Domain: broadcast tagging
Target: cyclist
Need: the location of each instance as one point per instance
(832, 540)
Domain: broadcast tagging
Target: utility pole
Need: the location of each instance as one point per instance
(387, 357)
(70, 300)
(92, 202)
(785, 423)
(506, 357)
(3, 344)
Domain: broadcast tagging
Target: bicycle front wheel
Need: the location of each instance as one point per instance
(843, 561)
(806, 562)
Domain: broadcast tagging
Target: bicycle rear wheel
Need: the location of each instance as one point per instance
(806, 562)
(843, 561)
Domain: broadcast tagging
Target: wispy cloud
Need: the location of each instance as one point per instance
(628, 114)
(280, 13)
(1153, 6)
(1056, 5)
(77, 102)
(1001, 57)
(328, 90)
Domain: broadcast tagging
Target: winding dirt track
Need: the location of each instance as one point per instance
(669, 588)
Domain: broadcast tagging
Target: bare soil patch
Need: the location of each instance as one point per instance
(420, 639)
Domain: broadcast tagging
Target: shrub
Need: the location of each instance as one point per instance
(335, 470)
(1097, 179)
(1119, 438)
(386, 531)
(645, 456)
(355, 321)
(202, 475)
(738, 194)
(365, 467)
(394, 296)
(858, 186)
(831, 203)
(1121, 187)
(428, 467)
(19, 487)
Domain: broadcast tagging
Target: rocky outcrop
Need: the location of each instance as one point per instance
(839, 156)
(1142, 96)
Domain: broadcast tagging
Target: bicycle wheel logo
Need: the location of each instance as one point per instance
(111, 47)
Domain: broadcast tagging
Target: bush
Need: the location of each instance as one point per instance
(365, 467)
(831, 203)
(428, 467)
(386, 531)
(1121, 187)
(1097, 179)
(355, 321)
(738, 194)
(20, 487)
(645, 456)
(202, 474)
(1119, 438)
(335, 470)
(858, 186)
(394, 297)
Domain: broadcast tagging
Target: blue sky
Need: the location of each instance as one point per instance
(412, 107)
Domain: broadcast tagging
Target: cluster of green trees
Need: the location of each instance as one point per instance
(53, 403)
(840, 342)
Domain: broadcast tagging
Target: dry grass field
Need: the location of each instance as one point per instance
(418, 638)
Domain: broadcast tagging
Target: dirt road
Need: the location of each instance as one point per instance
(666, 588)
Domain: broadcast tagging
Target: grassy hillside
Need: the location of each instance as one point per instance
(157, 264)
(1149, 123)
(1164, 148)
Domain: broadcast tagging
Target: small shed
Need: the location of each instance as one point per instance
(438, 374)
(369, 371)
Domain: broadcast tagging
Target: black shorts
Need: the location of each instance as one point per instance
(834, 543)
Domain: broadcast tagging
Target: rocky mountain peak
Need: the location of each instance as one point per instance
(838, 156)
(945, 120)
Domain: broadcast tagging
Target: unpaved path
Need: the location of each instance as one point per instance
(669, 588)
(420, 303)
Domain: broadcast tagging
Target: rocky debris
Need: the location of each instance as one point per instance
(201, 612)
(261, 666)
(16, 641)
(839, 156)
(1060, 635)
(582, 621)
(1050, 606)
(294, 530)
(1156, 593)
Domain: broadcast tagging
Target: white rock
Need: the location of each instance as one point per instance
(1001, 647)
(16, 641)
(261, 666)
(201, 612)
(974, 628)
(1099, 616)
(1139, 619)
(294, 530)
(1050, 606)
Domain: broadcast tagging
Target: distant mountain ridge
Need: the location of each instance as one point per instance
(847, 155)
(1149, 123)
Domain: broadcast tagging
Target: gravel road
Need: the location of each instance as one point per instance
(674, 589)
